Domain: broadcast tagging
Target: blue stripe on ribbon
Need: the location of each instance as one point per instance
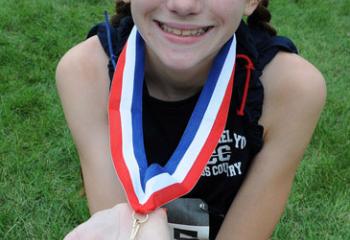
(199, 110)
(147, 172)
(136, 109)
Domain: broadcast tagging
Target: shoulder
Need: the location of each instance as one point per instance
(83, 70)
(292, 85)
(83, 83)
(86, 60)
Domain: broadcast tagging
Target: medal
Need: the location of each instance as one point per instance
(137, 221)
(148, 187)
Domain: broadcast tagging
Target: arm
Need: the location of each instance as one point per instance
(83, 86)
(294, 97)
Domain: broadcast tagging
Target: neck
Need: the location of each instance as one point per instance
(171, 84)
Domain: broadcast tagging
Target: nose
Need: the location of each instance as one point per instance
(184, 7)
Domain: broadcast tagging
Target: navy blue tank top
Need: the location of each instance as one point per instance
(164, 122)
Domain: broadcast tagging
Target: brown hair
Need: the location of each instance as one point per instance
(261, 16)
(121, 10)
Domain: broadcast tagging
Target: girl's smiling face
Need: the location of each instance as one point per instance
(184, 34)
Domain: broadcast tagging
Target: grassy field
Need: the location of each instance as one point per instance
(39, 168)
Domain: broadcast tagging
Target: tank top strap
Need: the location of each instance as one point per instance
(112, 39)
(268, 46)
(260, 47)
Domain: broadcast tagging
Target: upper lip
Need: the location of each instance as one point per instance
(183, 26)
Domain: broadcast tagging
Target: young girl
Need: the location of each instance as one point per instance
(200, 77)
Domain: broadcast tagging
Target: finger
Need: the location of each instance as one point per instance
(156, 227)
(73, 235)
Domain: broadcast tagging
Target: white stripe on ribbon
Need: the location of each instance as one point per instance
(164, 180)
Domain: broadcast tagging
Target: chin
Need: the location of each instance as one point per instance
(180, 59)
(180, 64)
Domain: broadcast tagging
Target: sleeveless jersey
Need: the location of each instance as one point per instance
(164, 123)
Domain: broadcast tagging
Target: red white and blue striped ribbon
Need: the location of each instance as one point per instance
(151, 186)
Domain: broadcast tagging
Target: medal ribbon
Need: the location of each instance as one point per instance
(150, 187)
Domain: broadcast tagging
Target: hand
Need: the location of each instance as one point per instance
(116, 223)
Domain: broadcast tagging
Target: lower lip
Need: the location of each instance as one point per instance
(181, 40)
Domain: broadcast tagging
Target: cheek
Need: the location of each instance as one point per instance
(142, 11)
(230, 12)
(143, 7)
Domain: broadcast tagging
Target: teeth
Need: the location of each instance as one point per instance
(184, 33)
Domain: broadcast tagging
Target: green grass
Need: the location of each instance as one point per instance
(39, 168)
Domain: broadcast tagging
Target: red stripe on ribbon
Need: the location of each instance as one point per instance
(165, 195)
(177, 190)
(116, 139)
